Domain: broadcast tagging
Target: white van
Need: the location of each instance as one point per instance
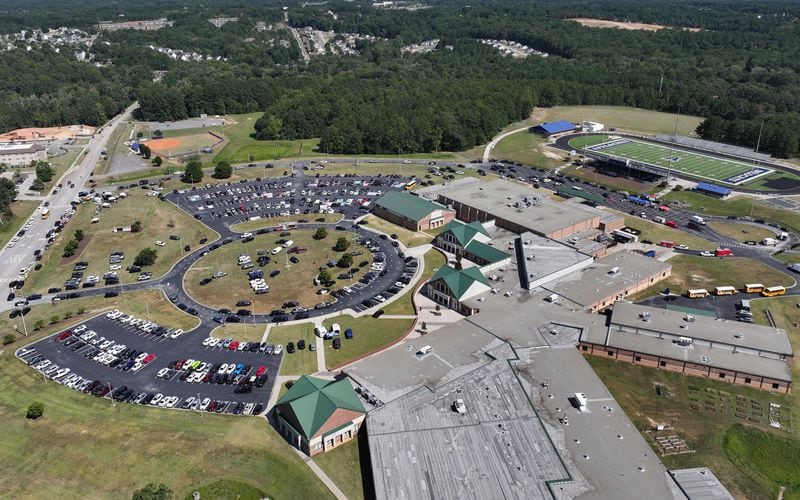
(424, 350)
(288, 244)
(659, 220)
(276, 250)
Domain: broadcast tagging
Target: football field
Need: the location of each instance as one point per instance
(695, 164)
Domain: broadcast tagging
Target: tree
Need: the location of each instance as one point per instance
(268, 127)
(35, 410)
(194, 171)
(147, 257)
(39, 324)
(223, 170)
(37, 185)
(144, 149)
(157, 161)
(79, 235)
(139, 135)
(136, 226)
(321, 233)
(459, 266)
(341, 245)
(153, 492)
(345, 261)
(324, 277)
(70, 248)
(44, 171)
(8, 338)
(54, 319)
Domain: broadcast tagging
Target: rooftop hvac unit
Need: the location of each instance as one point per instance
(684, 341)
(614, 270)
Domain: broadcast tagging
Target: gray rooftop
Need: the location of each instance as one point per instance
(700, 484)
(499, 196)
(421, 448)
(701, 354)
(596, 282)
(716, 331)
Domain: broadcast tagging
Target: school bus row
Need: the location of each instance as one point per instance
(766, 291)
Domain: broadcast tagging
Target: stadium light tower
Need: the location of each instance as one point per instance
(672, 145)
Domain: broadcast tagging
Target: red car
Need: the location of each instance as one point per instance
(260, 371)
(233, 345)
(63, 336)
(179, 364)
(671, 223)
(148, 358)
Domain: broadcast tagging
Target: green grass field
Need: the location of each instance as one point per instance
(243, 332)
(690, 163)
(526, 148)
(343, 465)
(85, 448)
(21, 210)
(741, 231)
(253, 225)
(293, 283)
(624, 118)
(225, 489)
(369, 334)
(691, 272)
(301, 361)
(405, 236)
(160, 219)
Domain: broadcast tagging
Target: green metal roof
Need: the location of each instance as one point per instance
(409, 206)
(464, 233)
(313, 401)
(488, 253)
(569, 192)
(459, 281)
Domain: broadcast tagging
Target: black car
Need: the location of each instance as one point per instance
(337, 343)
(301, 344)
(11, 296)
(378, 313)
(192, 311)
(182, 306)
(243, 303)
(294, 260)
(244, 312)
(274, 273)
(111, 293)
(233, 319)
(290, 347)
(205, 281)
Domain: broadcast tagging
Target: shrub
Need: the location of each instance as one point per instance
(345, 261)
(79, 235)
(54, 319)
(321, 233)
(35, 410)
(153, 492)
(223, 170)
(136, 226)
(147, 257)
(9, 338)
(157, 161)
(341, 245)
(39, 324)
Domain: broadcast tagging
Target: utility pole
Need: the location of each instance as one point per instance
(24, 326)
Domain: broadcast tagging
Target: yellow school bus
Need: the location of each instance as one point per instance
(725, 290)
(773, 291)
(753, 288)
(698, 293)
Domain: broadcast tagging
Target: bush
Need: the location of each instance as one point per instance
(157, 161)
(70, 248)
(37, 185)
(35, 410)
(678, 188)
(324, 276)
(136, 227)
(81, 310)
(68, 315)
(341, 245)
(223, 170)
(346, 261)
(153, 492)
(194, 171)
(147, 257)
(321, 233)
(54, 319)
(79, 235)
(39, 324)
(9, 338)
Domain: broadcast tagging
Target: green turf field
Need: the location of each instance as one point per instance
(690, 163)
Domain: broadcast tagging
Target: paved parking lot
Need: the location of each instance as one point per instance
(167, 351)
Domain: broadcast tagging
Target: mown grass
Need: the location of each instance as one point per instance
(405, 236)
(343, 466)
(771, 461)
(633, 386)
(740, 231)
(627, 118)
(224, 489)
(242, 332)
(691, 272)
(526, 148)
(159, 219)
(85, 448)
(434, 259)
(293, 283)
(21, 211)
(301, 361)
(254, 225)
(369, 334)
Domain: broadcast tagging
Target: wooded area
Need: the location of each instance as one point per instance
(740, 70)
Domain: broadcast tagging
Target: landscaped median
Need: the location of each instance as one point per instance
(243, 332)
(369, 335)
(301, 361)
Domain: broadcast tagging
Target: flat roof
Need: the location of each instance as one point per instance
(19, 148)
(545, 257)
(701, 354)
(596, 282)
(735, 333)
(498, 198)
(420, 447)
(700, 484)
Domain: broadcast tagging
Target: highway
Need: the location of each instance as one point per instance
(14, 258)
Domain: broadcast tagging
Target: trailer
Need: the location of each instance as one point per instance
(723, 252)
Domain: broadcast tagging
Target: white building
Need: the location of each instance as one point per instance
(21, 155)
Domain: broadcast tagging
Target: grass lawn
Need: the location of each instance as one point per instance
(524, 147)
(242, 148)
(254, 225)
(434, 259)
(343, 466)
(160, 219)
(406, 237)
(302, 361)
(626, 118)
(242, 332)
(704, 429)
(740, 231)
(788, 258)
(224, 489)
(369, 334)
(690, 271)
(296, 283)
(21, 210)
(771, 461)
(659, 232)
(115, 146)
(73, 311)
(739, 205)
(60, 165)
(85, 448)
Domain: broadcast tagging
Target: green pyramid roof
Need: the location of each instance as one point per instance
(464, 233)
(313, 400)
(459, 281)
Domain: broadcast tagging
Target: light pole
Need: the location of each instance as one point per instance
(24, 326)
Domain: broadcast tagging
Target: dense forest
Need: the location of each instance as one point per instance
(740, 70)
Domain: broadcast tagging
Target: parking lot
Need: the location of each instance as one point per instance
(132, 360)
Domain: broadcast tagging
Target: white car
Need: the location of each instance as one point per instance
(177, 333)
(706, 254)
(160, 243)
(204, 404)
(114, 267)
(157, 399)
(162, 372)
(681, 247)
(278, 349)
(207, 341)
